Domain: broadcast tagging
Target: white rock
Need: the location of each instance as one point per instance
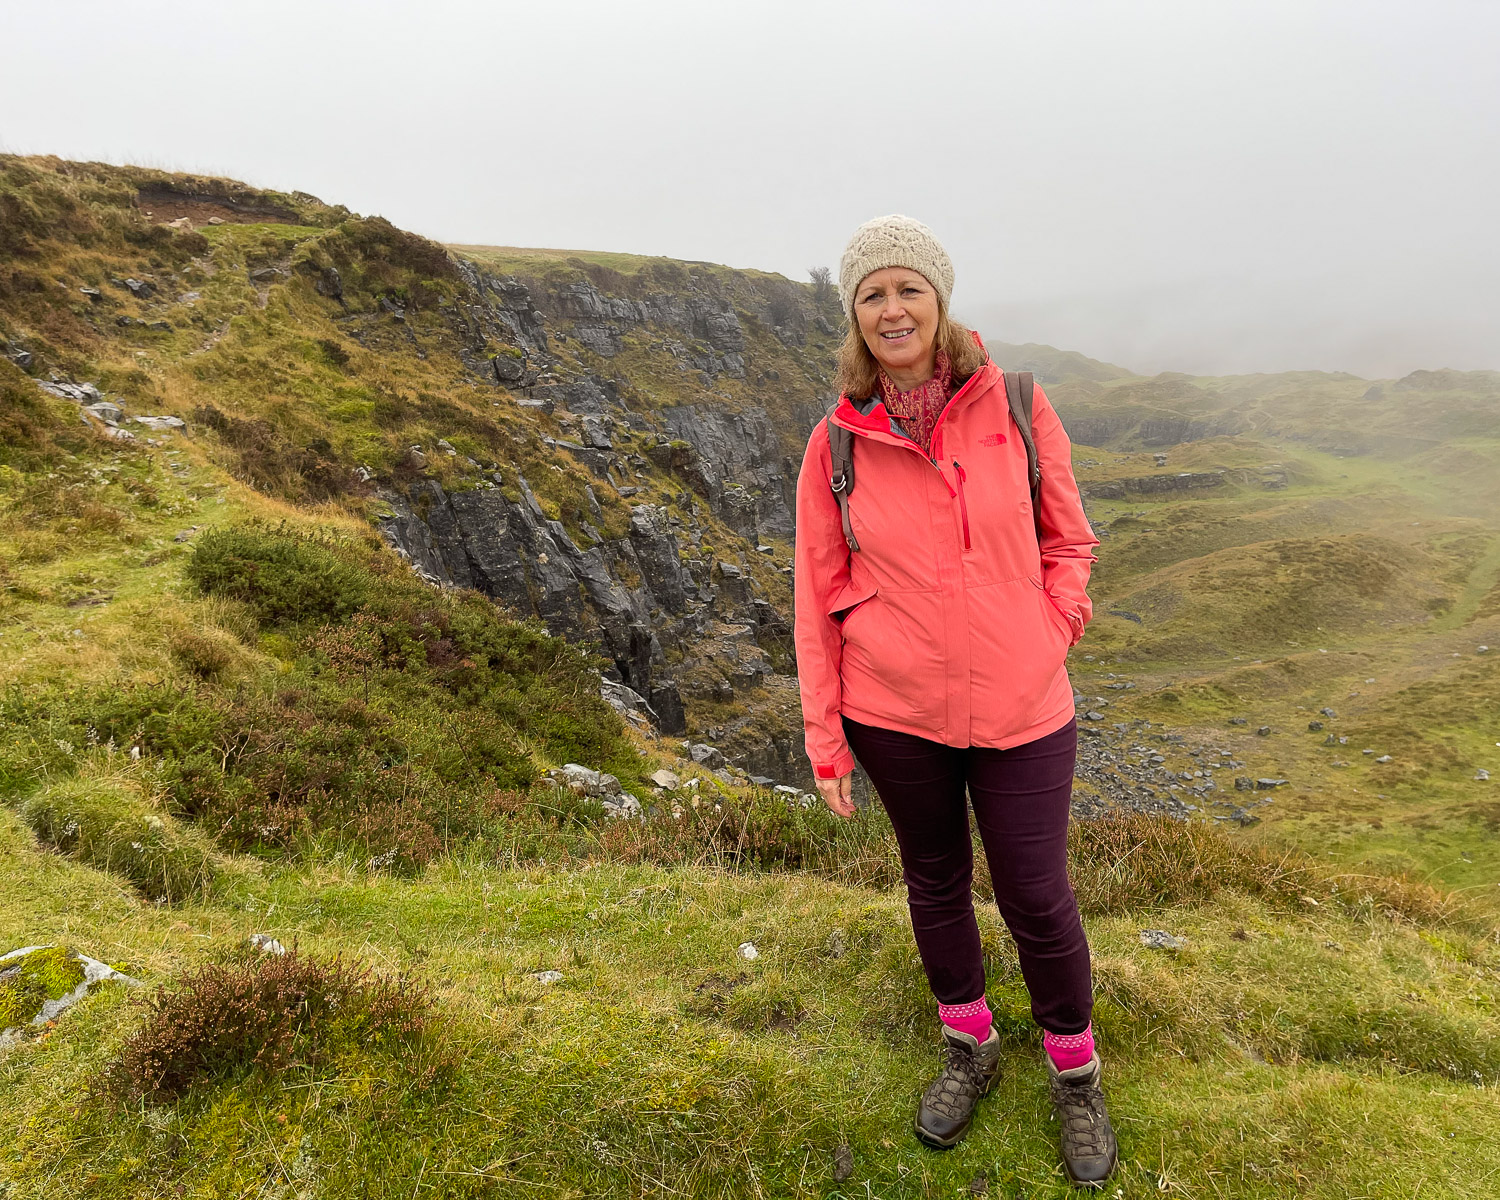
(665, 779)
(265, 943)
(1160, 939)
(748, 951)
(548, 976)
(1481, 775)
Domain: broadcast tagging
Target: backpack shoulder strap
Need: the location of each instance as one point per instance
(1020, 387)
(841, 475)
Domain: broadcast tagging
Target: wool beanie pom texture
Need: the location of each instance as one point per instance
(894, 241)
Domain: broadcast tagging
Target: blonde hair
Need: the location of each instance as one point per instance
(857, 368)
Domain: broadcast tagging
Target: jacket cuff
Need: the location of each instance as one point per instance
(836, 769)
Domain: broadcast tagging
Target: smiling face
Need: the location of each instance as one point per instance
(897, 312)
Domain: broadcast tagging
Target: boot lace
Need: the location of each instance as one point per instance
(1085, 1121)
(959, 1085)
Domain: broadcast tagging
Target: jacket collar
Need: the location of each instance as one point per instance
(868, 416)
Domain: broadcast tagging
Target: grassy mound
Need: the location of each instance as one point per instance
(107, 823)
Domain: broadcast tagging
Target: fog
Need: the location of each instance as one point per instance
(1213, 188)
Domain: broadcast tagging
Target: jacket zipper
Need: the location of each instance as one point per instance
(963, 506)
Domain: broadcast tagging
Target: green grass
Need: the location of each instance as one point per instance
(1238, 1067)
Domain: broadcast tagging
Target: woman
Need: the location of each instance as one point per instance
(930, 648)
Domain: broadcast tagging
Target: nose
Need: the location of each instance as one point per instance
(894, 310)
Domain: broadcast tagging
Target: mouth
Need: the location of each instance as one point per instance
(896, 335)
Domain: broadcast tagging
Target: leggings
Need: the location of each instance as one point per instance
(1020, 798)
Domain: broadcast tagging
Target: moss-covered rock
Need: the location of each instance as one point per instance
(31, 978)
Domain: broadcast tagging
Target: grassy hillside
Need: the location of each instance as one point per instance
(227, 709)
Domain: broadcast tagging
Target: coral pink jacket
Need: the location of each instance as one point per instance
(950, 622)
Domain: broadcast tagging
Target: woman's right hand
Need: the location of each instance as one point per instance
(838, 794)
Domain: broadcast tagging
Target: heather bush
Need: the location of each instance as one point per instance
(265, 1014)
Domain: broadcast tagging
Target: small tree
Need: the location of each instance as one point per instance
(822, 281)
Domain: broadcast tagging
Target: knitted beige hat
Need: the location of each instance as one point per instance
(894, 241)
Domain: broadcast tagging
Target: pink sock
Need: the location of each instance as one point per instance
(973, 1018)
(1069, 1050)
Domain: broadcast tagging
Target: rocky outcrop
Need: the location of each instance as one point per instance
(1152, 485)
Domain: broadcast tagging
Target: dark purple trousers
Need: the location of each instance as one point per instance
(1020, 798)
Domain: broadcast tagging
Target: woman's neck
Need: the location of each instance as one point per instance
(906, 378)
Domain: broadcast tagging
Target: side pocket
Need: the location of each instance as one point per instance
(1062, 618)
(848, 601)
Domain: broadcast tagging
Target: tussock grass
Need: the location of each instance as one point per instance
(104, 819)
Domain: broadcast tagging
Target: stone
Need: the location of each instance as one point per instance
(159, 326)
(415, 458)
(1328, 712)
(843, 1164)
(706, 756)
(762, 781)
(89, 972)
(1315, 726)
(183, 535)
(623, 806)
(787, 790)
(265, 943)
(94, 294)
(1243, 783)
(160, 424)
(1093, 715)
(1385, 758)
(1160, 939)
(748, 952)
(547, 976)
(1238, 721)
(447, 448)
(265, 274)
(1483, 650)
(140, 289)
(1265, 785)
(82, 393)
(106, 410)
(665, 779)
(22, 358)
(1481, 775)
(1263, 731)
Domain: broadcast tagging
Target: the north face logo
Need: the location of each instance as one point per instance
(992, 439)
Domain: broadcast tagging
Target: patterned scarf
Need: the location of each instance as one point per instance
(918, 410)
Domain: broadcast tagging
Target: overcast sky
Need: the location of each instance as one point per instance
(1199, 185)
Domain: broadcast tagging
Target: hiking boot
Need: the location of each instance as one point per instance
(1089, 1151)
(969, 1070)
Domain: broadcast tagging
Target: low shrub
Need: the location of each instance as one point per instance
(107, 823)
(263, 1013)
(286, 579)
